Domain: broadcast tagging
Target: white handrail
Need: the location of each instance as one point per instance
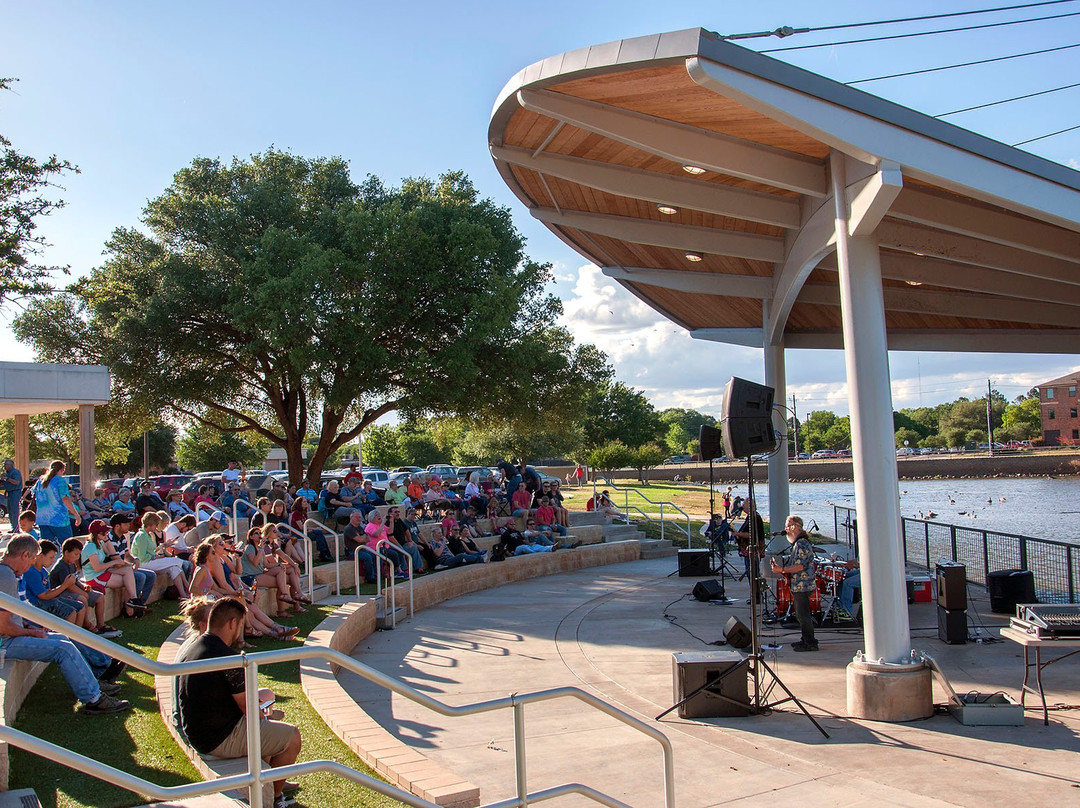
(626, 509)
(256, 776)
(409, 562)
(237, 502)
(211, 509)
(337, 549)
(310, 568)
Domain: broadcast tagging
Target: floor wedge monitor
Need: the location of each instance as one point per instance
(747, 427)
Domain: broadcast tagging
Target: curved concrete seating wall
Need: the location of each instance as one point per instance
(348, 626)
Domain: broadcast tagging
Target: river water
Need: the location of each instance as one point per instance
(1041, 507)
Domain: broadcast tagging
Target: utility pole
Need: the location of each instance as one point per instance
(989, 419)
(795, 425)
(146, 455)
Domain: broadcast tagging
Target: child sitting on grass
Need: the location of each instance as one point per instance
(53, 599)
(69, 564)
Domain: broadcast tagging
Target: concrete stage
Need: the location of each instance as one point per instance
(604, 629)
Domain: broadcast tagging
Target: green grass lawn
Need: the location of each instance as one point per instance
(137, 741)
(694, 499)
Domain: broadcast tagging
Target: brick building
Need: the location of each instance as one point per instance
(1058, 404)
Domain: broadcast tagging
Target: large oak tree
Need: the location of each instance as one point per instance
(275, 295)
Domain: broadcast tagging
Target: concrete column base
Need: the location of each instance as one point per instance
(896, 693)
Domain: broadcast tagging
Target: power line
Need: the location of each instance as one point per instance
(1008, 100)
(786, 31)
(961, 64)
(921, 33)
(1044, 137)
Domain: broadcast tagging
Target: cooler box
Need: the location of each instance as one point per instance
(921, 588)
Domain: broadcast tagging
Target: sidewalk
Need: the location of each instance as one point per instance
(605, 630)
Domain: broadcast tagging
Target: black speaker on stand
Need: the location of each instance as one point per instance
(747, 426)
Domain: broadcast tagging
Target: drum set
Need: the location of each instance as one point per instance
(830, 571)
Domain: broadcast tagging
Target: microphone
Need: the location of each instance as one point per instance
(778, 533)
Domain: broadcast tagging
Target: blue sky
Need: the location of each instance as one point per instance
(131, 92)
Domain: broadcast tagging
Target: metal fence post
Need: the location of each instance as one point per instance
(519, 754)
(926, 537)
(254, 731)
(662, 525)
(1023, 554)
(1069, 567)
(986, 557)
(952, 538)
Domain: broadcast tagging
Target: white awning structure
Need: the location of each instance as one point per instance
(30, 388)
(755, 203)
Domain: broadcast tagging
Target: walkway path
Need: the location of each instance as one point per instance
(605, 630)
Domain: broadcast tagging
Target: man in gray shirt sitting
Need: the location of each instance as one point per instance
(20, 642)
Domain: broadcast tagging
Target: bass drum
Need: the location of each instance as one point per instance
(784, 602)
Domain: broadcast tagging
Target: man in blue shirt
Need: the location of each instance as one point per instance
(12, 485)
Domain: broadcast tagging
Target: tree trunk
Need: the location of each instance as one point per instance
(294, 456)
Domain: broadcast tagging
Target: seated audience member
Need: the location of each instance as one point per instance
(167, 546)
(468, 522)
(176, 506)
(521, 501)
(376, 531)
(337, 506)
(278, 514)
(19, 641)
(258, 570)
(534, 535)
(395, 494)
(356, 542)
(175, 533)
(464, 546)
(215, 522)
(262, 510)
(104, 569)
(273, 550)
(434, 497)
(123, 503)
(205, 496)
(472, 489)
(212, 706)
(148, 499)
(278, 491)
(368, 498)
(445, 560)
(117, 542)
(70, 564)
(545, 518)
(399, 537)
(56, 600)
(231, 496)
(99, 507)
(28, 526)
(416, 489)
(410, 525)
(354, 479)
(154, 556)
(604, 505)
(562, 515)
(298, 517)
(307, 492)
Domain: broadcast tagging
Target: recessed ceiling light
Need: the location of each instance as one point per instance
(913, 283)
(693, 256)
(695, 170)
(667, 210)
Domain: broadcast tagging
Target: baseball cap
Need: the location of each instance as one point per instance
(121, 518)
(98, 526)
(220, 516)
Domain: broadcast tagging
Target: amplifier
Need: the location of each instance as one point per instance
(694, 564)
(1009, 588)
(952, 625)
(951, 585)
(691, 669)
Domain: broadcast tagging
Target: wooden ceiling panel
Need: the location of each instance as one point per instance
(669, 93)
(702, 311)
(628, 254)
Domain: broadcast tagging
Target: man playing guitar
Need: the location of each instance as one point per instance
(798, 566)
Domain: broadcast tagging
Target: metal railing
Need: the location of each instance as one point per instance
(664, 503)
(337, 549)
(1054, 564)
(393, 582)
(252, 509)
(309, 566)
(256, 776)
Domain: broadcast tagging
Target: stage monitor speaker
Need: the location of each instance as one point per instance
(952, 625)
(747, 427)
(1009, 587)
(737, 634)
(690, 670)
(709, 442)
(694, 564)
(951, 585)
(708, 590)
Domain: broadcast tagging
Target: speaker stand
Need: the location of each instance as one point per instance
(717, 549)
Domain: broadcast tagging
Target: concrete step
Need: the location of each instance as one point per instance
(587, 518)
(657, 548)
(383, 620)
(322, 592)
(620, 532)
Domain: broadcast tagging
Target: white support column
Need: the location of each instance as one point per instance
(22, 445)
(87, 459)
(776, 378)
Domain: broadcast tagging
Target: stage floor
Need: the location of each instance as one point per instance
(612, 630)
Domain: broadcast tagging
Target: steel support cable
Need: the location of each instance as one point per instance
(1008, 100)
(786, 31)
(922, 33)
(962, 64)
(1051, 134)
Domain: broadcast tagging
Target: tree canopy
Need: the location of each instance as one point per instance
(24, 200)
(275, 296)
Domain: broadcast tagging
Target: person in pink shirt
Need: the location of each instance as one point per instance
(376, 532)
(521, 502)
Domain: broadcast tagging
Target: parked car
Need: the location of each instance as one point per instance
(410, 469)
(378, 477)
(448, 474)
(190, 490)
(823, 454)
(905, 451)
(167, 482)
(804, 455)
(844, 453)
(484, 473)
(402, 477)
(111, 486)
